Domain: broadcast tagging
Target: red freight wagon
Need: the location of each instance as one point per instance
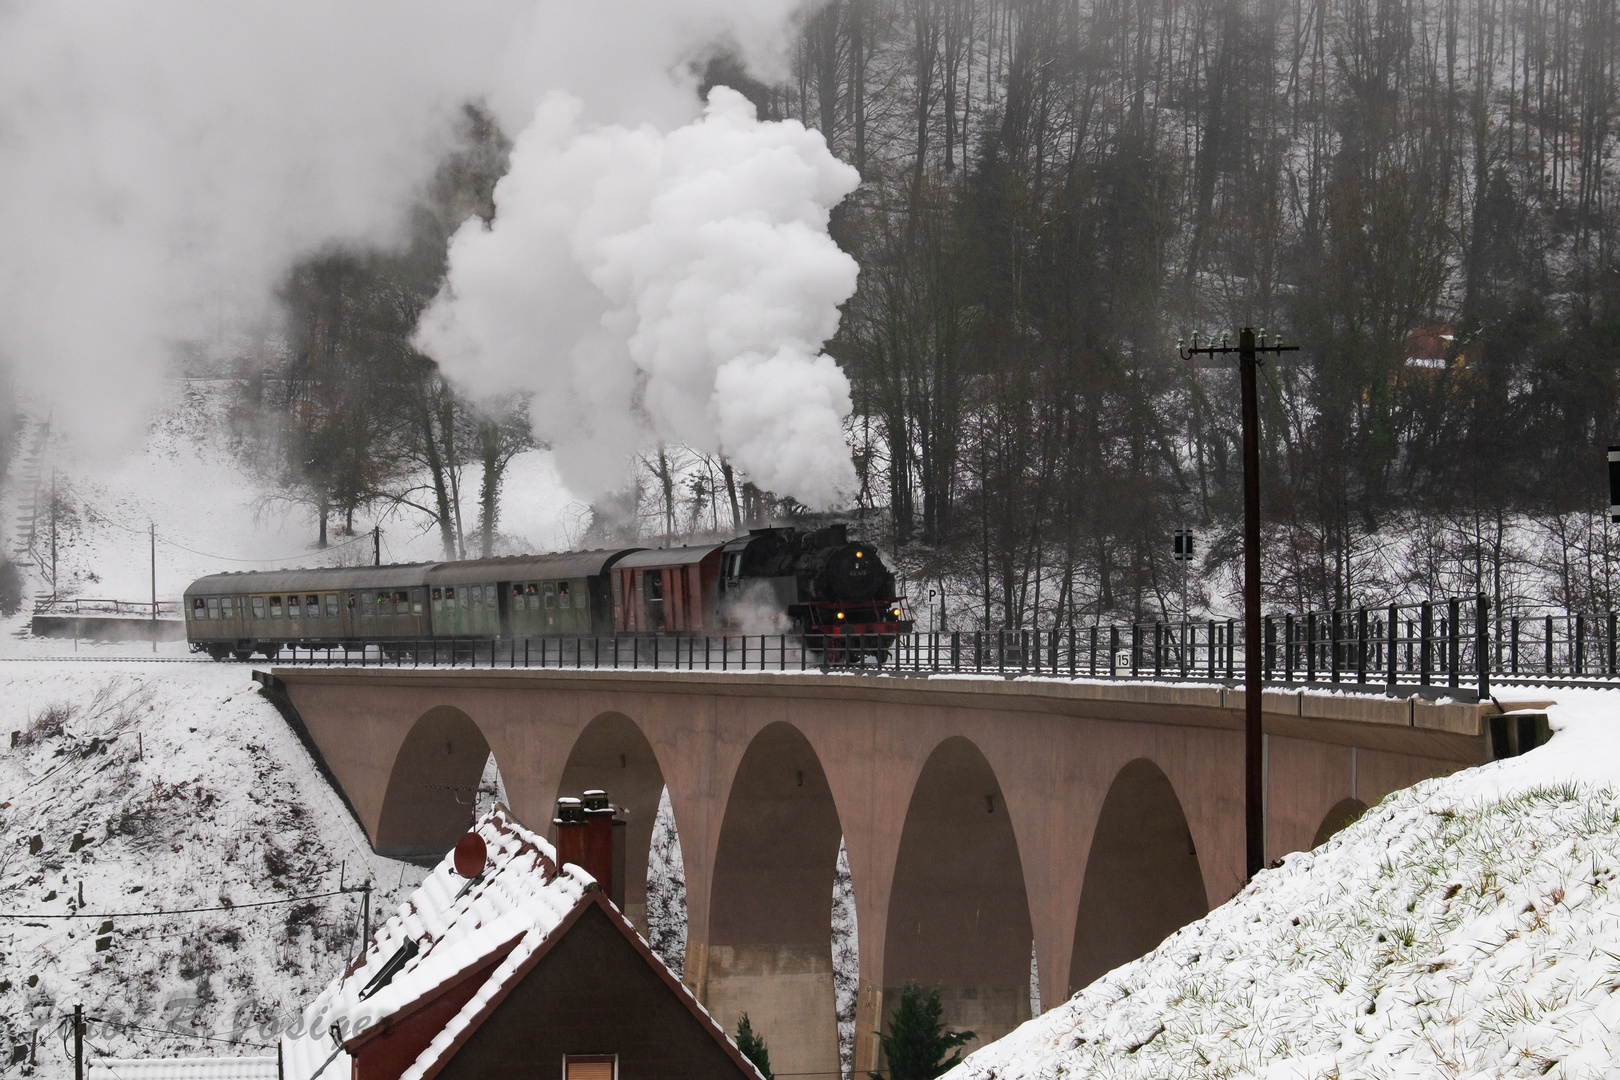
(666, 591)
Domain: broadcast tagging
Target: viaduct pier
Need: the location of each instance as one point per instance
(981, 816)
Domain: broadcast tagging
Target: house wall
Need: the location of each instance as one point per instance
(592, 993)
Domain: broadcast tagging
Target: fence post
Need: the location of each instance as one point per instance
(1334, 629)
(1482, 645)
(1231, 648)
(1611, 642)
(1093, 636)
(1271, 647)
(1454, 613)
(1213, 649)
(1361, 646)
(1158, 648)
(1113, 646)
(1288, 648)
(1136, 648)
(1513, 649)
(1394, 652)
(1425, 646)
(1578, 661)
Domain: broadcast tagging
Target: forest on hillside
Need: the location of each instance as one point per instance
(1418, 193)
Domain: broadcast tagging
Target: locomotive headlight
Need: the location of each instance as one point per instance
(897, 613)
(840, 614)
(858, 554)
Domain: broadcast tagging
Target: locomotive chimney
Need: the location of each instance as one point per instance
(571, 829)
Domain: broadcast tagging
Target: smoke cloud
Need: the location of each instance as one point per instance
(165, 162)
(649, 286)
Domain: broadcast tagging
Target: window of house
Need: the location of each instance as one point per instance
(416, 601)
(331, 605)
(590, 1066)
(258, 607)
(213, 607)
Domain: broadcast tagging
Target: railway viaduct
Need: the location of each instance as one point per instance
(979, 815)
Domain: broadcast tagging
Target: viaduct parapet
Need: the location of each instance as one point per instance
(980, 816)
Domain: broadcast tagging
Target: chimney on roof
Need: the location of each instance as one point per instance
(570, 823)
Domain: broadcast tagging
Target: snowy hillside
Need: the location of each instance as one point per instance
(164, 786)
(1469, 926)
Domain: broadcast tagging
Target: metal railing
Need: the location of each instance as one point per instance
(1452, 647)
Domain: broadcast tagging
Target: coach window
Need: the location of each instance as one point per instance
(438, 601)
(402, 603)
(331, 605)
(489, 597)
(312, 607)
(275, 607)
(581, 595)
(213, 607)
(258, 607)
(416, 601)
(477, 599)
(199, 610)
(367, 610)
(550, 592)
(294, 608)
(531, 596)
(382, 604)
(224, 607)
(563, 596)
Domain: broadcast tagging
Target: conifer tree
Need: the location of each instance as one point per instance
(917, 1039)
(753, 1047)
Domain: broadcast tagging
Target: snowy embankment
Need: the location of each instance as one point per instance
(1465, 927)
(165, 786)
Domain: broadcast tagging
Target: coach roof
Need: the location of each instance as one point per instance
(314, 579)
(563, 565)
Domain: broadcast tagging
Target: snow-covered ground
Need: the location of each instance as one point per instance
(1466, 927)
(135, 787)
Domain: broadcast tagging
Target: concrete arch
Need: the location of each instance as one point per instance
(431, 795)
(1344, 812)
(770, 910)
(1143, 881)
(612, 753)
(958, 909)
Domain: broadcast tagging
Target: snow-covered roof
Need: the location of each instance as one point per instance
(455, 929)
(199, 1068)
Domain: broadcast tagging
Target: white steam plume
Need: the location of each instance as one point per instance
(163, 163)
(649, 286)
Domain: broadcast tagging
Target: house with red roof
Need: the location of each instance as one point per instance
(511, 966)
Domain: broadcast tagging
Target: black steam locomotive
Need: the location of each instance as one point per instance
(818, 583)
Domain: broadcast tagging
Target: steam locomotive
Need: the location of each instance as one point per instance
(834, 590)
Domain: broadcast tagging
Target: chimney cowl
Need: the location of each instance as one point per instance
(570, 812)
(596, 802)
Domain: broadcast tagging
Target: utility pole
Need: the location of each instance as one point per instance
(1249, 352)
(78, 1042)
(152, 529)
(53, 535)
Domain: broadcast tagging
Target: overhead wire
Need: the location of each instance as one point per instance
(177, 911)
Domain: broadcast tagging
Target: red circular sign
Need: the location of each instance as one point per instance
(471, 854)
